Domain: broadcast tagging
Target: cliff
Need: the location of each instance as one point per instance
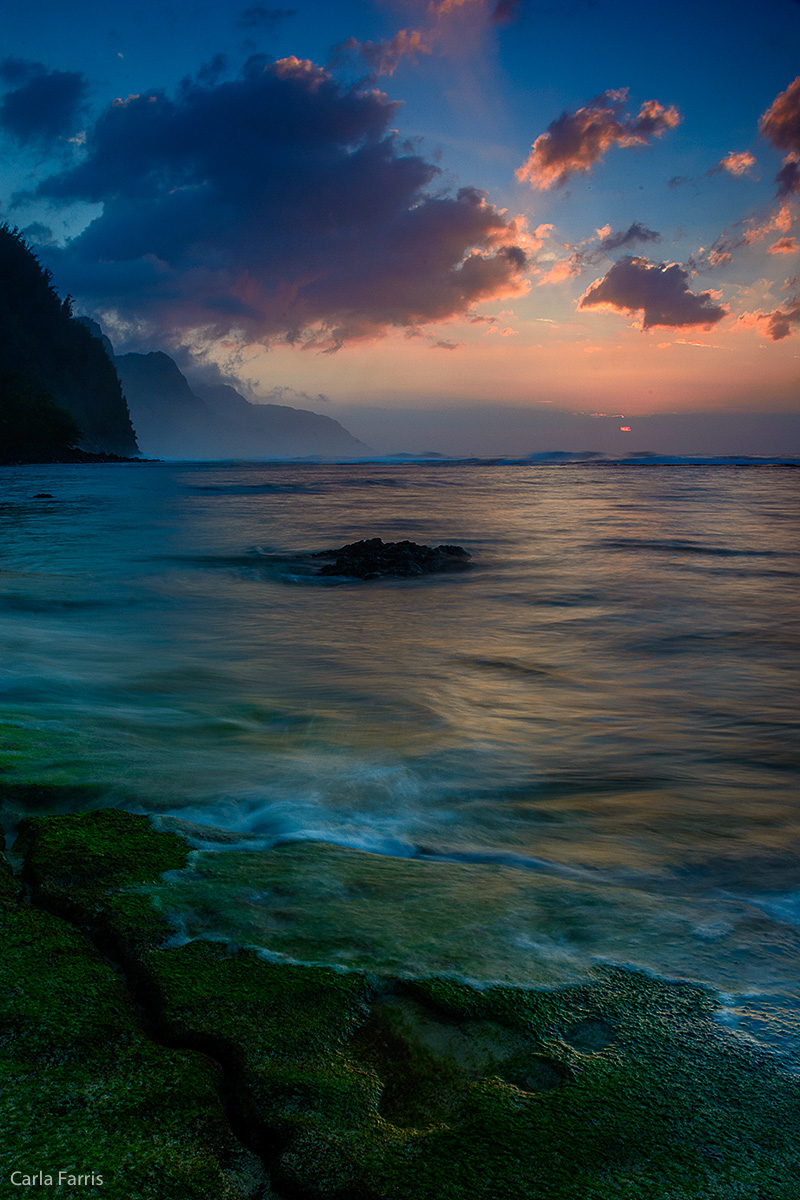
(46, 352)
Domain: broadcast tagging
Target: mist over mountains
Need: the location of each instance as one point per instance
(174, 420)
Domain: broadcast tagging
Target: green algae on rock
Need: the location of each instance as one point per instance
(333, 904)
(364, 1086)
(85, 1089)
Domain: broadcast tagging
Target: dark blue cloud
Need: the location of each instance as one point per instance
(660, 291)
(42, 106)
(276, 204)
(629, 237)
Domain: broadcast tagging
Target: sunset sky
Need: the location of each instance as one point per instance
(498, 215)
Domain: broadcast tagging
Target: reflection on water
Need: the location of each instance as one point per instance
(610, 691)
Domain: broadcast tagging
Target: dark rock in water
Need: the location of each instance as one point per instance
(43, 496)
(373, 558)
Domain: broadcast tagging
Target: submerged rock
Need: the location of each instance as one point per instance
(345, 1083)
(373, 558)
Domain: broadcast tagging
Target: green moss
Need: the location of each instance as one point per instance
(74, 860)
(363, 1086)
(83, 1087)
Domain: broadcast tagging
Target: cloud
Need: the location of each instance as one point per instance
(735, 163)
(780, 222)
(38, 234)
(566, 269)
(576, 141)
(776, 325)
(383, 58)
(781, 321)
(633, 234)
(780, 125)
(785, 245)
(755, 231)
(659, 291)
(42, 106)
(503, 12)
(259, 17)
(291, 396)
(275, 205)
(447, 20)
(788, 178)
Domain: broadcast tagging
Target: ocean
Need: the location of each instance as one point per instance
(582, 750)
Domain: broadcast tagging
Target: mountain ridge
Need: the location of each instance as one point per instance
(175, 420)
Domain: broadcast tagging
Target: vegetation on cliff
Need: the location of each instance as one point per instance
(50, 362)
(32, 425)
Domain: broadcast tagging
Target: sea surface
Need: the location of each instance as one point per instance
(606, 701)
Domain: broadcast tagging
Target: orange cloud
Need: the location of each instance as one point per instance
(561, 271)
(737, 163)
(383, 58)
(775, 325)
(779, 222)
(575, 141)
(785, 245)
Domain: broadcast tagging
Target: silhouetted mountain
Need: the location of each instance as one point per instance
(281, 430)
(47, 353)
(170, 421)
(173, 421)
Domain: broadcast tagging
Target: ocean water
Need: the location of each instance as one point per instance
(606, 701)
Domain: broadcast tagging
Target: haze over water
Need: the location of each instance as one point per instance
(607, 700)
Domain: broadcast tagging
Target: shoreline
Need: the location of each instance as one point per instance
(71, 457)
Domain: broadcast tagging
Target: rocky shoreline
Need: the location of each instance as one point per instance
(184, 1068)
(70, 456)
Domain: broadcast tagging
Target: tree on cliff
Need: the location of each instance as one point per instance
(32, 425)
(53, 355)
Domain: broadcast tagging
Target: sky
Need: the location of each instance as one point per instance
(472, 226)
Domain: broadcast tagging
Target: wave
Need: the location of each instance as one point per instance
(543, 458)
(683, 546)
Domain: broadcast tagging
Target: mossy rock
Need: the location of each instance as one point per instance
(85, 1089)
(362, 1086)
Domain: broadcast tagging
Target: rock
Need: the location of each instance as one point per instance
(357, 1084)
(373, 559)
(85, 1089)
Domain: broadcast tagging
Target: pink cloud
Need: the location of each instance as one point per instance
(560, 271)
(785, 245)
(659, 291)
(737, 163)
(778, 222)
(575, 141)
(383, 58)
